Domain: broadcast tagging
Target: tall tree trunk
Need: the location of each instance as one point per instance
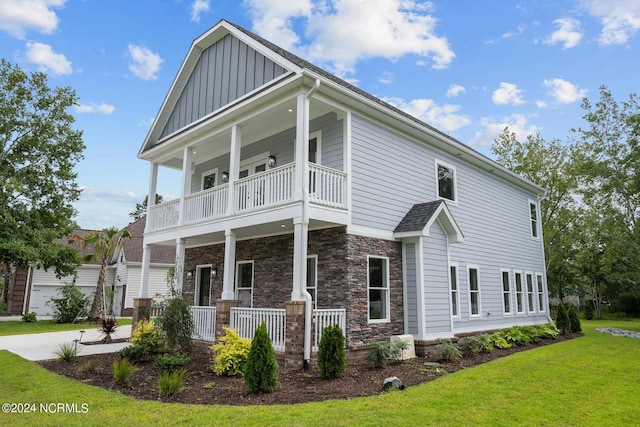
(97, 308)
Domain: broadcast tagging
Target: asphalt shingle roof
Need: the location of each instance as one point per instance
(418, 216)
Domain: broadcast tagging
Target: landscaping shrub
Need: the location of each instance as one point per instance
(133, 353)
(574, 322)
(29, 317)
(629, 303)
(469, 345)
(108, 326)
(381, 353)
(562, 319)
(171, 362)
(170, 382)
(499, 341)
(332, 360)
(148, 337)
(485, 343)
(67, 351)
(261, 368)
(230, 353)
(448, 351)
(122, 370)
(176, 322)
(589, 312)
(547, 331)
(72, 304)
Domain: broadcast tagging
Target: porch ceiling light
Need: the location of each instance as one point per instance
(225, 176)
(272, 162)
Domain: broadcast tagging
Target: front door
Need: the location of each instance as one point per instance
(203, 294)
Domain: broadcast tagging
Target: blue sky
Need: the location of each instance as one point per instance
(469, 68)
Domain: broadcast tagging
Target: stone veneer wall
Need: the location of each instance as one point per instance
(342, 276)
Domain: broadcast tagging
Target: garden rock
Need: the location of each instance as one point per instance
(392, 382)
(619, 332)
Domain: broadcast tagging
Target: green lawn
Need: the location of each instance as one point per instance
(18, 327)
(589, 381)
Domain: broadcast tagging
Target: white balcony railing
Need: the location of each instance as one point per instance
(204, 323)
(260, 191)
(247, 320)
(327, 317)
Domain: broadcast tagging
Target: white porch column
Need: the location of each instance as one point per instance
(151, 196)
(144, 277)
(179, 273)
(302, 146)
(187, 156)
(234, 167)
(229, 265)
(300, 239)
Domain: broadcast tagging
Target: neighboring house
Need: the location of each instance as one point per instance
(35, 287)
(298, 185)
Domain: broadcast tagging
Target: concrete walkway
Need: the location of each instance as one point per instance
(44, 345)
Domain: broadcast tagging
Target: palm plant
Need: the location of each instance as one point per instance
(105, 244)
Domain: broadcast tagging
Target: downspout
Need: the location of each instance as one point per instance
(305, 293)
(544, 264)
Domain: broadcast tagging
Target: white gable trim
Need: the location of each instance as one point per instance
(447, 222)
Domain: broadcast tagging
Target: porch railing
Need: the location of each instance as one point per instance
(204, 322)
(164, 215)
(265, 189)
(247, 320)
(206, 204)
(327, 186)
(327, 317)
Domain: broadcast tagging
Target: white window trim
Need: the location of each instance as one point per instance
(455, 181)
(317, 134)
(197, 281)
(253, 273)
(315, 279)
(387, 319)
(533, 293)
(207, 173)
(537, 229)
(455, 265)
(540, 292)
(511, 310)
(477, 268)
(522, 292)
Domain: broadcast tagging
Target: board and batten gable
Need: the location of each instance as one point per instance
(391, 172)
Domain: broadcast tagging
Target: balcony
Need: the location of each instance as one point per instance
(275, 187)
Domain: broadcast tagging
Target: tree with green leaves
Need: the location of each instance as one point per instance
(39, 149)
(141, 208)
(105, 243)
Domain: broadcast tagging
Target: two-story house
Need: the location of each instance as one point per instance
(305, 195)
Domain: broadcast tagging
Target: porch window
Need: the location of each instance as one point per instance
(446, 177)
(533, 211)
(506, 292)
(455, 294)
(519, 296)
(378, 289)
(540, 292)
(314, 157)
(209, 179)
(244, 283)
(530, 299)
(203, 285)
(474, 292)
(312, 277)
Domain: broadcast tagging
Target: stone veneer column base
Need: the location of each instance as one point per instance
(141, 310)
(294, 335)
(223, 314)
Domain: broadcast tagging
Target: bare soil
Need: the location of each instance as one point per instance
(202, 386)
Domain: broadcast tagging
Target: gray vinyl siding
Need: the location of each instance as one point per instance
(411, 286)
(392, 172)
(225, 71)
(436, 282)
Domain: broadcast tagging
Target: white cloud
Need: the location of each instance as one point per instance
(19, 16)
(492, 128)
(455, 90)
(569, 33)
(620, 19)
(48, 60)
(563, 92)
(519, 30)
(507, 93)
(445, 118)
(344, 32)
(92, 108)
(198, 7)
(386, 78)
(90, 194)
(144, 63)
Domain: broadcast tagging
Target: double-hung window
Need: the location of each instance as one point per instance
(533, 212)
(540, 287)
(473, 277)
(455, 292)
(506, 291)
(244, 283)
(519, 293)
(446, 179)
(530, 296)
(378, 289)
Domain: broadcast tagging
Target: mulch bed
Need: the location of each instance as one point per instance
(202, 386)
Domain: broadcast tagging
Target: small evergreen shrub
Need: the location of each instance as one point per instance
(171, 362)
(148, 337)
(67, 351)
(132, 353)
(29, 317)
(448, 351)
(170, 382)
(122, 370)
(230, 353)
(332, 359)
(589, 312)
(261, 369)
(71, 304)
(562, 319)
(574, 322)
(382, 352)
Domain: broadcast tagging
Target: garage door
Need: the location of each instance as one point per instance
(41, 294)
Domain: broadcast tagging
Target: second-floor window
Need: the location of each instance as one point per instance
(446, 175)
(209, 179)
(533, 210)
